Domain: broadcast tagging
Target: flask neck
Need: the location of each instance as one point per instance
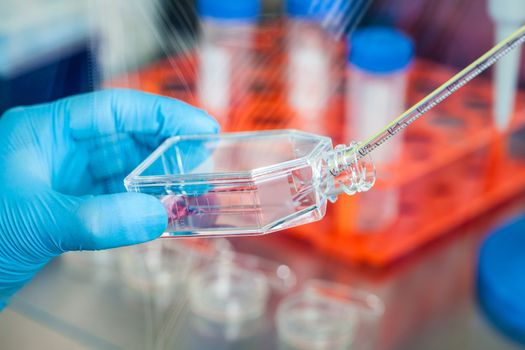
(351, 174)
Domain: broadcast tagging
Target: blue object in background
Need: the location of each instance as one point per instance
(380, 50)
(245, 10)
(45, 52)
(501, 279)
(308, 9)
(72, 73)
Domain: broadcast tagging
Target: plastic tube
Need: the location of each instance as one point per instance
(227, 35)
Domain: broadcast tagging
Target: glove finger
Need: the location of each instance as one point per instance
(114, 185)
(115, 220)
(105, 160)
(148, 140)
(115, 111)
(72, 177)
(114, 156)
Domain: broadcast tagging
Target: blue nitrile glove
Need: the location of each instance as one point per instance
(58, 164)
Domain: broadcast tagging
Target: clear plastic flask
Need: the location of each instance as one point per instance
(248, 183)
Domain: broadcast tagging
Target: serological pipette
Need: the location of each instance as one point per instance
(357, 152)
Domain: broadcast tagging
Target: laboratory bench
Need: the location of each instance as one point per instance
(429, 298)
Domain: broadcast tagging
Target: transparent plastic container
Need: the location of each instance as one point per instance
(378, 65)
(157, 272)
(225, 53)
(248, 183)
(327, 315)
(229, 295)
(311, 50)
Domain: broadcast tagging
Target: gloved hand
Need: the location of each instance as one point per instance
(60, 161)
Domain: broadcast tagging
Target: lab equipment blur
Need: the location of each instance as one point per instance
(127, 43)
(310, 49)
(479, 156)
(379, 60)
(378, 64)
(156, 274)
(327, 315)
(149, 268)
(499, 282)
(225, 53)
(248, 183)
(437, 96)
(229, 296)
(455, 138)
(508, 16)
(32, 66)
(221, 294)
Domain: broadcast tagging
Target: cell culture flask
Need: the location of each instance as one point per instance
(248, 183)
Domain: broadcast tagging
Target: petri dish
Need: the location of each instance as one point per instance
(230, 294)
(326, 315)
(164, 266)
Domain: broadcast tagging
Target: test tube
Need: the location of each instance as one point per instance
(508, 16)
(224, 56)
(378, 62)
(309, 62)
(378, 59)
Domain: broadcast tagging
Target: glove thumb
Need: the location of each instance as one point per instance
(115, 220)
